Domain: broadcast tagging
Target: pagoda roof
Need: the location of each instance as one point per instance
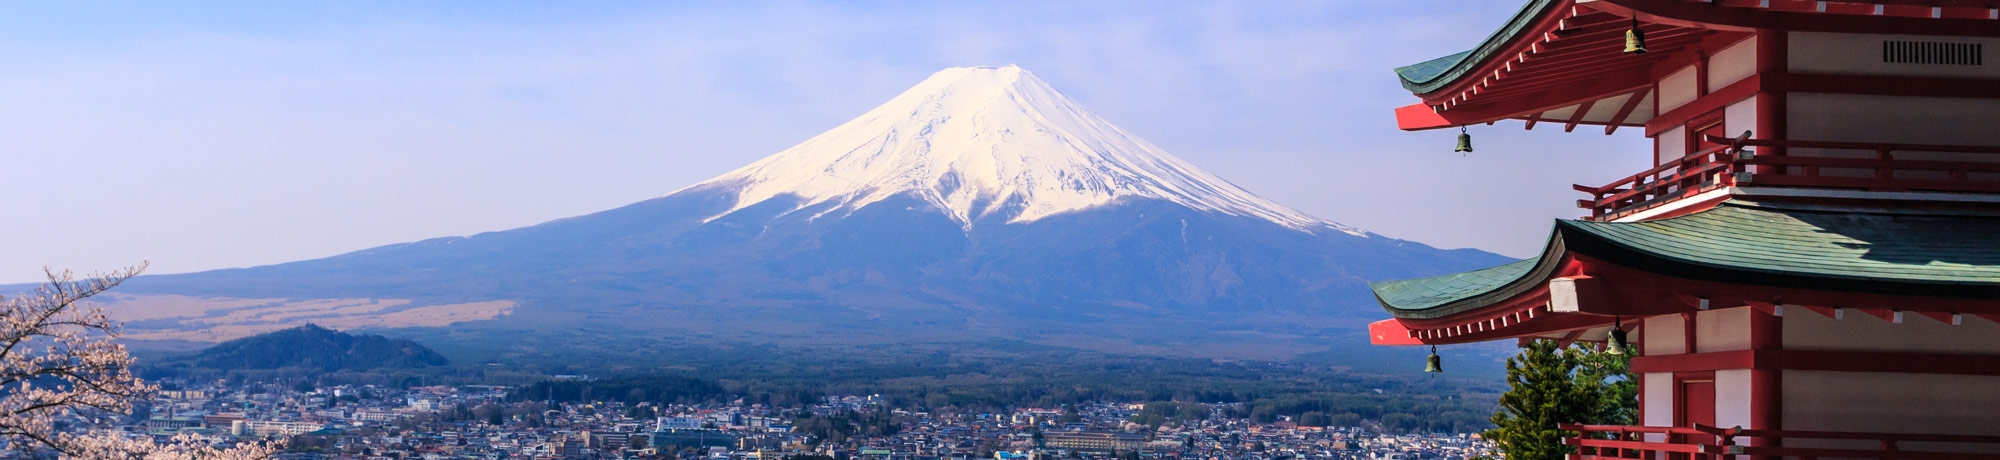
(1560, 61)
(1428, 76)
(1842, 249)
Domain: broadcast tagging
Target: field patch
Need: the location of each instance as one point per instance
(217, 319)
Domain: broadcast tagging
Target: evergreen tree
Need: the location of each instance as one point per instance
(1618, 398)
(1543, 390)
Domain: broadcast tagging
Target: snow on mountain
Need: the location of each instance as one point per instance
(976, 141)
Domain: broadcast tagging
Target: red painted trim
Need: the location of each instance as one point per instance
(1941, 317)
(1681, 379)
(1581, 111)
(1879, 85)
(1625, 291)
(1569, 338)
(1688, 332)
(1709, 15)
(1632, 101)
(1704, 205)
(1773, 62)
(1704, 105)
(1417, 117)
(1766, 386)
(1532, 35)
(1693, 362)
(1556, 98)
(1390, 332)
(1819, 360)
(1640, 380)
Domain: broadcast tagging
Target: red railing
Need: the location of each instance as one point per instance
(1730, 164)
(1603, 442)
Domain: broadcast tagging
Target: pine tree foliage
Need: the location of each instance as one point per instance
(1543, 390)
(1618, 400)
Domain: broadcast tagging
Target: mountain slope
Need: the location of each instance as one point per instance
(980, 204)
(974, 141)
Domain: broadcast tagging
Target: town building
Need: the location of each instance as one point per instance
(1814, 256)
(1094, 441)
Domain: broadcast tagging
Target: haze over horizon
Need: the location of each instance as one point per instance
(262, 136)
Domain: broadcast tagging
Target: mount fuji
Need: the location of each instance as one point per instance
(979, 205)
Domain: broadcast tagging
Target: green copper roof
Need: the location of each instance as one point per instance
(1835, 243)
(1845, 249)
(1428, 76)
(1426, 293)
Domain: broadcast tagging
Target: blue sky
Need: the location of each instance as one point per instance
(228, 134)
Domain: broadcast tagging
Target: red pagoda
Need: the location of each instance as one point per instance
(1812, 268)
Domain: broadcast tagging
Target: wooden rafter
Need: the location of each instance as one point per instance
(1575, 118)
(1625, 111)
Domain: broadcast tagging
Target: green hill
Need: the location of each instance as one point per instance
(316, 348)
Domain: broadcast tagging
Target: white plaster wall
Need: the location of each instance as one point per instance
(1678, 89)
(1892, 119)
(1732, 398)
(1891, 403)
(1732, 64)
(1740, 117)
(1659, 399)
(1857, 331)
(1722, 330)
(1670, 146)
(1662, 335)
(1861, 54)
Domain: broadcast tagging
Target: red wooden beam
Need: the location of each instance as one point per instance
(1569, 338)
(1558, 94)
(1709, 15)
(1708, 103)
(1691, 362)
(1574, 118)
(1893, 316)
(1815, 360)
(1521, 44)
(1625, 111)
(1883, 85)
(1597, 53)
(1943, 317)
(1529, 85)
(1829, 312)
(1419, 117)
(1530, 80)
(1416, 117)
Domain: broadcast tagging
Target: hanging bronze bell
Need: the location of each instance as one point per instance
(1635, 39)
(1616, 344)
(1464, 141)
(1433, 364)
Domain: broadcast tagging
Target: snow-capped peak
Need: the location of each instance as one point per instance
(979, 140)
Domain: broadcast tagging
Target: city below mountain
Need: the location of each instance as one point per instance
(979, 209)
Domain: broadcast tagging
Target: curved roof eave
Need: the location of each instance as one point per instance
(1872, 251)
(1446, 295)
(1429, 76)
